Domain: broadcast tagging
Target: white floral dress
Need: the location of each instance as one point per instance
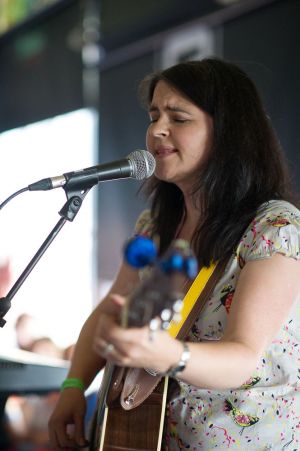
(264, 413)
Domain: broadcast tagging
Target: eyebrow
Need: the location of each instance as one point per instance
(175, 109)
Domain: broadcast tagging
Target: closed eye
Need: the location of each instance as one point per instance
(180, 120)
(175, 119)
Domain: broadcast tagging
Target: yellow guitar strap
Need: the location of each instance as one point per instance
(189, 301)
(191, 298)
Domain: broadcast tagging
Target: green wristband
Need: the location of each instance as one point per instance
(72, 382)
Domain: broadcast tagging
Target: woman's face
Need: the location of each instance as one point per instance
(179, 136)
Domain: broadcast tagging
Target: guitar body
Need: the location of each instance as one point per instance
(138, 429)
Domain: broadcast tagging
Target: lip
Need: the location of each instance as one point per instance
(164, 151)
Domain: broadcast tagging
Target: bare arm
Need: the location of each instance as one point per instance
(85, 362)
(265, 293)
(71, 406)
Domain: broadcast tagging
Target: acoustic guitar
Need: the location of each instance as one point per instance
(116, 425)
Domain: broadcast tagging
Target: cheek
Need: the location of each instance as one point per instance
(148, 139)
(205, 141)
(198, 148)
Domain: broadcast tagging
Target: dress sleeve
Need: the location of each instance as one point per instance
(144, 224)
(275, 229)
(144, 227)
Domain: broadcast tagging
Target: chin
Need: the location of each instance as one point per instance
(164, 177)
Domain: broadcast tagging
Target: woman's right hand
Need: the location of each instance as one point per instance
(66, 424)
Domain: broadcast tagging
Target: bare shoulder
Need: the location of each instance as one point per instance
(266, 291)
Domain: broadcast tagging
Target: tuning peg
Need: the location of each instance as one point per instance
(177, 306)
(166, 314)
(191, 267)
(140, 251)
(177, 318)
(154, 324)
(175, 262)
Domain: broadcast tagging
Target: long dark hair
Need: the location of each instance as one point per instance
(245, 167)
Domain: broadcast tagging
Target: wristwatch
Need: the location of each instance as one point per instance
(180, 366)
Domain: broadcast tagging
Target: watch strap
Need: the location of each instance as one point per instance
(184, 358)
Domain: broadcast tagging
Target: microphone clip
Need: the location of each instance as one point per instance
(75, 193)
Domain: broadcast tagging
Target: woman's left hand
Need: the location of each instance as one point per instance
(135, 347)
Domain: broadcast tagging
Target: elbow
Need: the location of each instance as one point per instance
(228, 365)
(241, 369)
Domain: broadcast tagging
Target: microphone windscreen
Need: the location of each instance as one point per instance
(143, 164)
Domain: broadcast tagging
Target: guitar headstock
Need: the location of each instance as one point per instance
(158, 298)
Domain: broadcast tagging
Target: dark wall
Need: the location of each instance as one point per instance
(40, 59)
(265, 44)
(40, 67)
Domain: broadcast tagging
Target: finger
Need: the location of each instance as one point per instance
(123, 339)
(105, 323)
(53, 439)
(153, 328)
(63, 448)
(57, 434)
(117, 299)
(108, 329)
(103, 348)
(99, 344)
(63, 438)
(79, 431)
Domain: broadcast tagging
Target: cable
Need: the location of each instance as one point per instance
(12, 196)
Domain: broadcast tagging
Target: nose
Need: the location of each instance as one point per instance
(159, 128)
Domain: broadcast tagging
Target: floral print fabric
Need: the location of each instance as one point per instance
(264, 413)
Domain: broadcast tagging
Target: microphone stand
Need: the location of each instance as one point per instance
(75, 192)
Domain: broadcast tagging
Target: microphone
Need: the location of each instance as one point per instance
(139, 164)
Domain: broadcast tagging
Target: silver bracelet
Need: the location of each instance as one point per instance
(180, 366)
